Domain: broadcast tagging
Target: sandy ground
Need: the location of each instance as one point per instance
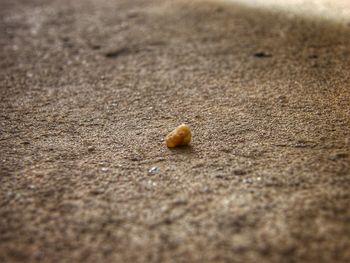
(88, 91)
(338, 10)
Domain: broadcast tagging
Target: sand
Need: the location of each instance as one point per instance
(89, 90)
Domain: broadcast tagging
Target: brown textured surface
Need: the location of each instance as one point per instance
(88, 91)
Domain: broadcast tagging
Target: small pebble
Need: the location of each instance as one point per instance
(135, 158)
(247, 181)
(97, 191)
(154, 170)
(181, 136)
(239, 172)
(91, 148)
(339, 155)
(262, 54)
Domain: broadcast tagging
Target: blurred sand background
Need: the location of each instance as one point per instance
(327, 9)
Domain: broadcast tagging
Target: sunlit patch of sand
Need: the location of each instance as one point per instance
(328, 9)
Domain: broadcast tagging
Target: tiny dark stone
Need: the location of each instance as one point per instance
(135, 158)
(91, 148)
(97, 191)
(117, 52)
(226, 150)
(282, 99)
(262, 54)
(239, 172)
(339, 155)
(132, 14)
(65, 39)
(95, 46)
(220, 176)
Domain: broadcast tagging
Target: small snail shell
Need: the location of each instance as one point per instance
(180, 136)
